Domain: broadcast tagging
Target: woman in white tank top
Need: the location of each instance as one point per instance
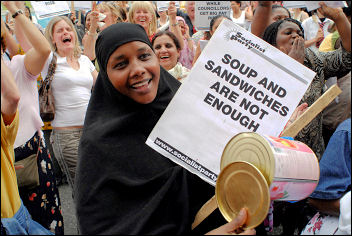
(241, 17)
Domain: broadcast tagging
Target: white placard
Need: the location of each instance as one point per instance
(238, 84)
(312, 5)
(204, 11)
(81, 5)
(47, 9)
(294, 4)
(164, 5)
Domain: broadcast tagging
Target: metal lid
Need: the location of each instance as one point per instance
(253, 148)
(241, 184)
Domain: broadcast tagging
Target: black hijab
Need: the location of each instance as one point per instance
(123, 186)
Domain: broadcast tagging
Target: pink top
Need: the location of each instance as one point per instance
(29, 118)
(186, 55)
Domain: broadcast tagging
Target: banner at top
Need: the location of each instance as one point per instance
(47, 9)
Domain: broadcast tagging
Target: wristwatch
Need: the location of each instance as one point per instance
(17, 13)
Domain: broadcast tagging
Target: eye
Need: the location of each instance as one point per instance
(157, 47)
(168, 45)
(120, 65)
(145, 56)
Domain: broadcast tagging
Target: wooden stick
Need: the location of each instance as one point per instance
(205, 211)
(72, 6)
(317, 107)
(79, 18)
(312, 111)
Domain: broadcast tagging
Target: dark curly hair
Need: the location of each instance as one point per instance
(270, 32)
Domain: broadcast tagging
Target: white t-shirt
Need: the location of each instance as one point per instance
(71, 90)
(311, 28)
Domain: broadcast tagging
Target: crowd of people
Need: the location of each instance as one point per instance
(113, 74)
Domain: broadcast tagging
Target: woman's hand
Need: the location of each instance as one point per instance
(11, 6)
(187, 36)
(329, 12)
(297, 50)
(298, 112)
(235, 226)
(94, 18)
(171, 11)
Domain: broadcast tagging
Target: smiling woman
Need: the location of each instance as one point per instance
(142, 13)
(73, 80)
(167, 49)
(122, 185)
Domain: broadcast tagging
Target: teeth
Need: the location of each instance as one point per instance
(101, 16)
(101, 24)
(163, 57)
(140, 84)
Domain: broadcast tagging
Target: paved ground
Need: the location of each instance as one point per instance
(68, 210)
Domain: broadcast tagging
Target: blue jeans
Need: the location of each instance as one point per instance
(22, 224)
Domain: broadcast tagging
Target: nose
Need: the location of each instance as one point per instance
(295, 35)
(137, 69)
(163, 49)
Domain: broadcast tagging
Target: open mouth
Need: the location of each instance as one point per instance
(164, 57)
(140, 85)
(101, 24)
(65, 40)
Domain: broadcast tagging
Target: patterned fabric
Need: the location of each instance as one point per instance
(326, 65)
(42, 202)
(321, 25)
(321, 224)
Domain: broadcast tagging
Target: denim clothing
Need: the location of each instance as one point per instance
(335, 165)
(22, 224)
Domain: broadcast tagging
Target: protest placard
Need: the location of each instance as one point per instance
(312, 5)
(204, 11)
(81, 5)
(238, 84)
(294, 4)
(164, 5)
(47, 9)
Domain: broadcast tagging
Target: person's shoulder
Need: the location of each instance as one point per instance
(345, 126)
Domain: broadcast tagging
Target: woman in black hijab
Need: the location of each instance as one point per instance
(122, 185)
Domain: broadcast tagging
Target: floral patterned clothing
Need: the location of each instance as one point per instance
(43, 201)
(326, 65)
(322, 224)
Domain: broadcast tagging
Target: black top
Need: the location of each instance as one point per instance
(122, 185)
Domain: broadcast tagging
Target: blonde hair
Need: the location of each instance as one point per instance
(145, 6)
(49, 34)
(113, 8)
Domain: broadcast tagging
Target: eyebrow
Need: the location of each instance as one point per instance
(142, 49)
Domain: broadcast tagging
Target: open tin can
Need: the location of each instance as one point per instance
(290, 168)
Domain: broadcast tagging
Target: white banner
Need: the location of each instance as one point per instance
(47, 9)
(294, 4)
(164, 5)
(312, 5)
(81, 5)
(204, 11)
(238, 84)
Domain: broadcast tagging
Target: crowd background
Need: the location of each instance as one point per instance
(321, 41)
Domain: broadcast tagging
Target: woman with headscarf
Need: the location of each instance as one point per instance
(122, 185)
